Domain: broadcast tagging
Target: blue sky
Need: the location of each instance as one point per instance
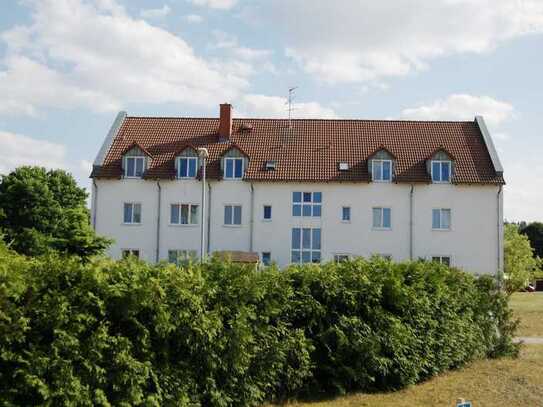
(68, 66)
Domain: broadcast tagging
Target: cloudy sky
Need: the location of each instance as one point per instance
(68, 66)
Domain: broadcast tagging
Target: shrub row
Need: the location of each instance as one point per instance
(130, 333)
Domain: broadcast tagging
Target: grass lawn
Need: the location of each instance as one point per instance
(529, 308)
(501, 382)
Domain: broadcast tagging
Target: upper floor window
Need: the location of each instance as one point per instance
(232, 214)
(267, 215)
(441, 171)
(134, 167)
(184, 214)
(233, 168)
(441, 219)
(382, 170)
(132, 213)
(307, 204)
(346, 214)
(382, 218)
(180, 257)
(306, 245)
(187, 167)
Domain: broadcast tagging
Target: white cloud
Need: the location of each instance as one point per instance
(366, 40)
(156, 12)
(17, 150)
(59, 61)
(463, 107)
(276, 107)
(216, 4)
(193, 18)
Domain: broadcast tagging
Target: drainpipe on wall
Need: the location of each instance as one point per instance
(158, 221)
(209, 218)
(499, 225)
(411, 222)
(95, 202)
(203, 154)
(251, 221)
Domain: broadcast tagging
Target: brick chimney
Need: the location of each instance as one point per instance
(225, 122)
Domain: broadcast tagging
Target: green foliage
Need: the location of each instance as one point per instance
(519, 262)
(129, 333)
(534, 231)
(44, 210)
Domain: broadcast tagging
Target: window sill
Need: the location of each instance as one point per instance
(381, 229)
(232, 179)
(266, 220)
(232, 226)
(131, 224)
(441, 230)
(125, 177)
(441, 182)
(381, 181)
(345, 221)
(185, 178)
(184, 225)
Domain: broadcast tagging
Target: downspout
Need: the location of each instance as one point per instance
(208, 218)
(499, 236)
(158, 221)
(411, 222)
(95, 202)
(251, 221)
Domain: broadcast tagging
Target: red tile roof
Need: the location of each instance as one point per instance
(311, 151)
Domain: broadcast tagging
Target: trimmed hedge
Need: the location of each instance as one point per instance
(130, 333)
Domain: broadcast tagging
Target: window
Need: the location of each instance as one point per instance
(381, 170)
(267, 212)
(446, 260)
(130, 252)
(441, 219)
(346, 214)
(132, 213)
(382, 218)
(180, 257)
(306, 204)
(266, 258)
(306, 245)
(184, 214)
(232, 214)
(187, 167)
(387, 257)
(233, 168)
(338, 258)
(441, 171)
(134, 167)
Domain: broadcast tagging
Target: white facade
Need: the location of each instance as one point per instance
(473, 241)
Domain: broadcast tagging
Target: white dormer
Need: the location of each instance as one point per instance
(440, 167)
(381, 166)
(186, 163)
(135, 162)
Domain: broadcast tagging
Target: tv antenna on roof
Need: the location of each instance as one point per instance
(290, 100)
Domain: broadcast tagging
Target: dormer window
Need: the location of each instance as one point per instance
(233, 168)
(441, 171)
(187, 167)
(134, 167)
(381, 170)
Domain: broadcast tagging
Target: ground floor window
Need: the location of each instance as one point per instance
(446, 260)
(180, 257)
(338, 258)
(130, 252)
(266, 258)
(306, 245)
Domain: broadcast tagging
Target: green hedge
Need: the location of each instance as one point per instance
(130, 333)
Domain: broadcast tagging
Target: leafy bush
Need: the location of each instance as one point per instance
(130, 333)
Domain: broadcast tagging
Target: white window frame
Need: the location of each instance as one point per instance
(234, 159)
(345, 256)
(233, 225)
(301, 249)
(131, 253)
(380, 161)
(264, 219)
(440, 162)
(441, 228)
(135, 158)
(312, 203)
(441, 257)
(190, 205)
(350, 214)
(182, 256)
(179, 176)
(385, 256)
(382, 208)
(141, 213)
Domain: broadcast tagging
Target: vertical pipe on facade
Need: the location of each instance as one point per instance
(159, 189)
(499, 235)
(95, 202)
(411, 222)
(208, 217)
(251, 221)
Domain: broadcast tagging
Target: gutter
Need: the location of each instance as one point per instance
(158, 221)
(411, 222)
(251, 221)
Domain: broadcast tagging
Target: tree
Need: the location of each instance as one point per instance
(534, 231)
(520, 263)
(43, 210)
